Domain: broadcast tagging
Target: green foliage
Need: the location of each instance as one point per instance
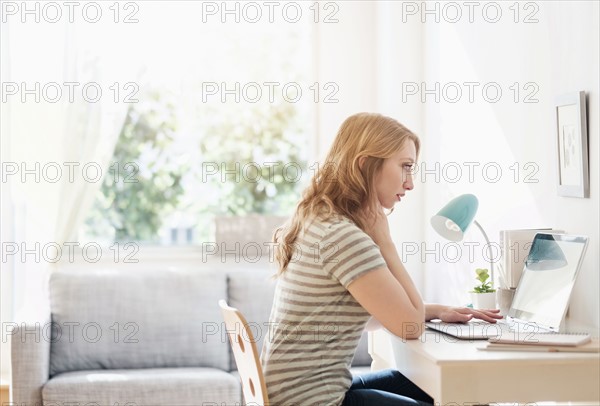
(143, 183)
(262, 147)
(482, 277)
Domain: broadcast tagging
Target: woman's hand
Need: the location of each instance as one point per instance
(378, 228)
(461, 314)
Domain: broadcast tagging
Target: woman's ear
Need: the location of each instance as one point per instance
(361, 161)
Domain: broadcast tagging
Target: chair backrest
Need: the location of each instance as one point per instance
(246, 355)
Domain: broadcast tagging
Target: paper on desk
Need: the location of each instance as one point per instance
(592, 347)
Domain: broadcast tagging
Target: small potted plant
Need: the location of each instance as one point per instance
(483, 295)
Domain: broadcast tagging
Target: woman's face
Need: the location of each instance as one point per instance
(395, 177)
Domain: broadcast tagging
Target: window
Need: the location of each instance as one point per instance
(220, 125)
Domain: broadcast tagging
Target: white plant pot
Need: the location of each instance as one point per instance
(483, 300)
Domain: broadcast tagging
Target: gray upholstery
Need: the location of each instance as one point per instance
(162, 386)
(136, 319)
(30, 354)
(174, 352)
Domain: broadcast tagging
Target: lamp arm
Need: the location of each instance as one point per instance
(487, 240)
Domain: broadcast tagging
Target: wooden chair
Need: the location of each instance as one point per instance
(246, 356)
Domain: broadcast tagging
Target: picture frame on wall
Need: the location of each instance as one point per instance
(572, 144)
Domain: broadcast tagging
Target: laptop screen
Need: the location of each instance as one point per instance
(551, 267)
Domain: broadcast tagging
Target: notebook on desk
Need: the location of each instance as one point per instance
(541, 299)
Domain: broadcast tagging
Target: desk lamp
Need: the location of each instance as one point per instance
(454, 218)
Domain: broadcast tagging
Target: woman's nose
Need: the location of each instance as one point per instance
(408, 183)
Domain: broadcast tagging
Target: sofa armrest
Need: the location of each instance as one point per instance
(30, 362)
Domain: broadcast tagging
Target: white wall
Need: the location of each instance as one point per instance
(6, 228)
(558, 54)
(378, 49)
(368, 54)
(347, 56)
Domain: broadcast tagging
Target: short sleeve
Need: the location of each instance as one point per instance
(348, 252)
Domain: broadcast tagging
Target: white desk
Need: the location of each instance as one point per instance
(455, 372)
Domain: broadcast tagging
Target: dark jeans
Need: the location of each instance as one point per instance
(385, 388)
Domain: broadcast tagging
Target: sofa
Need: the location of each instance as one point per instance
(143, 337)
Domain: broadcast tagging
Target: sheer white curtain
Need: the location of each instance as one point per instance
(91, 129)
(48, 140)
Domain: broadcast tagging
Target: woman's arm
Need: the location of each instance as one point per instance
(379, 293)
(392, 259)
(388, 293)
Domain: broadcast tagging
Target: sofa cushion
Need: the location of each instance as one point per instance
(111, 319)
(162, 386)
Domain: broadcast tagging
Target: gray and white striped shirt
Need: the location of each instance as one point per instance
(315, 323)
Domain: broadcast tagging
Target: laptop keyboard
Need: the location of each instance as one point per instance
(502, 331)
(472, 330)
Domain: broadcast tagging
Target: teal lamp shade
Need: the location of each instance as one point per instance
(453, 219)
(545, 255)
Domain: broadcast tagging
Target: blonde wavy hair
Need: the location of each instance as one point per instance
(341, 186)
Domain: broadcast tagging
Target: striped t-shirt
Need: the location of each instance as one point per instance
(315, 323)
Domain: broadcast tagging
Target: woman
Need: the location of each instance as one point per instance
(338, 267)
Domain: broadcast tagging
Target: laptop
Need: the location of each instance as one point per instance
(542, 296)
